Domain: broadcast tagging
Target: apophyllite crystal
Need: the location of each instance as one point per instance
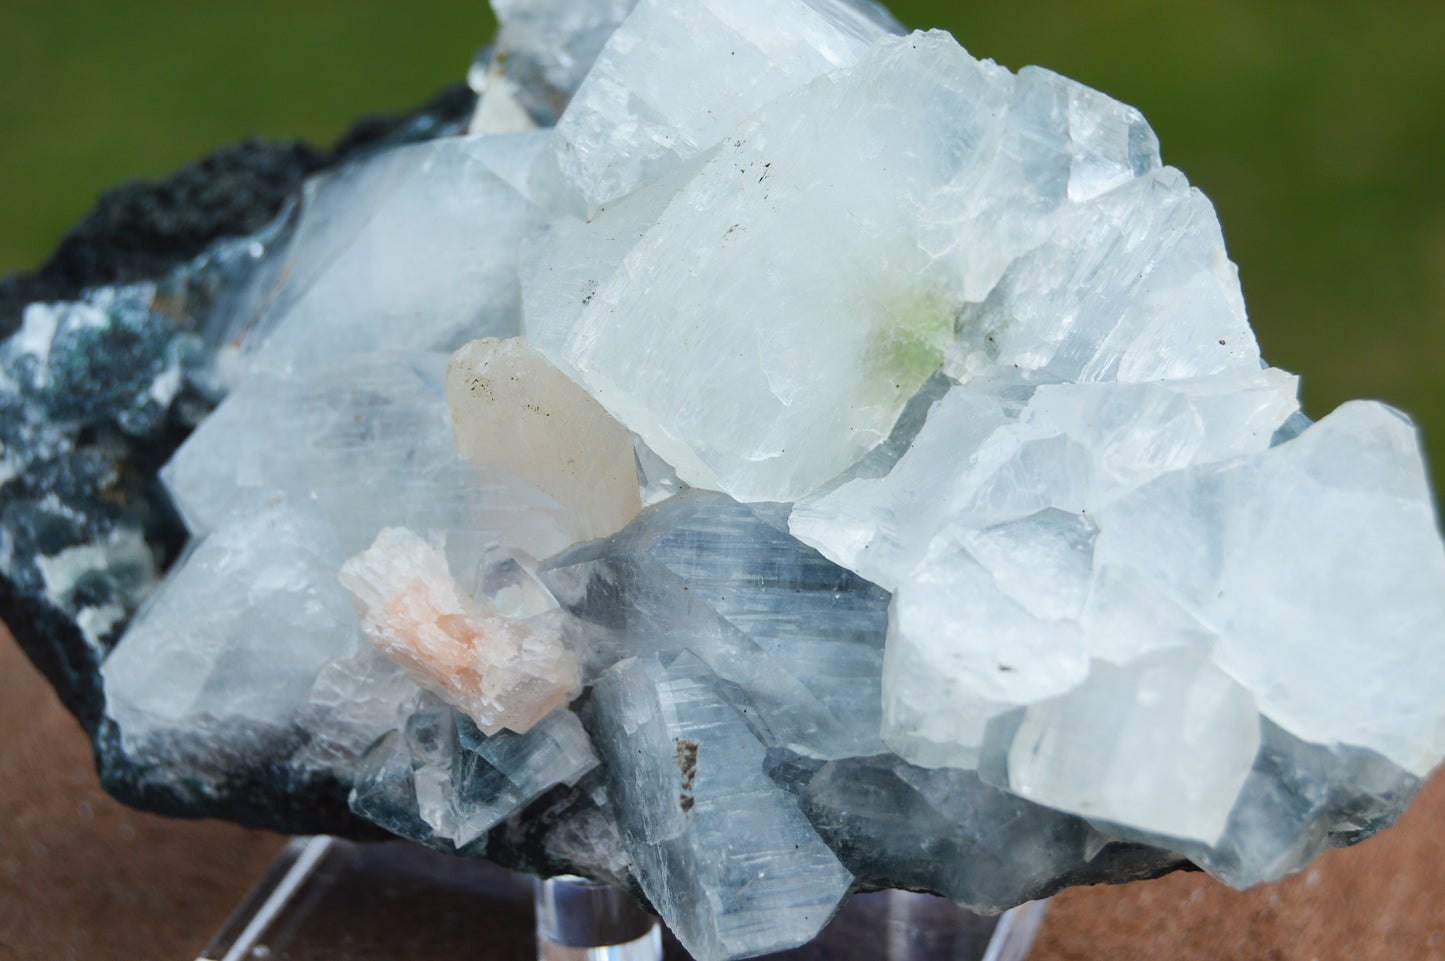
(813, 459)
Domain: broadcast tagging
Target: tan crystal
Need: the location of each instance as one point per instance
(512, 410)
(495, 668)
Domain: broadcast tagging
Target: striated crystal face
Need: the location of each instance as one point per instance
(725, 855)
(797, 639)
(807, 458)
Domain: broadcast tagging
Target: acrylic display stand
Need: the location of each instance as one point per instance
(583, 920)
(325, 899)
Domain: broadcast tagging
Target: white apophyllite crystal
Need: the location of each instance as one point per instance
(441, 216)
(365, 712)
(1317, 571)
(542, 51)
(1163, 744)
(675, 79)
(498, 670)
(1173, 616)
(484, 779)
(1007, 445)
(204, 648)
(766, 331)
(514, 411)
(759, 306)
(367, 440)
(355, 701)
(636, 133)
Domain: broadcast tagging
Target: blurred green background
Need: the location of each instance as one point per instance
(1318, 129)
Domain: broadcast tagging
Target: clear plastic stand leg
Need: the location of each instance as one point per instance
(326, 899)
(582, 920)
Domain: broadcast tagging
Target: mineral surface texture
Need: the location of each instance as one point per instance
(768, 455)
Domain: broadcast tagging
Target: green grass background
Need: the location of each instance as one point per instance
(1317, 128)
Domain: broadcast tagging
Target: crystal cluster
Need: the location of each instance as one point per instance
(771, 455)
(496, 669)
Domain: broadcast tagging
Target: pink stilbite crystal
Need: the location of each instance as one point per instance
(495, 668)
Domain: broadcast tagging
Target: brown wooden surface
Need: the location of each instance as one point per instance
(84, 877)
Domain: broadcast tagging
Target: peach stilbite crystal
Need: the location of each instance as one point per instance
(495, 668)
(511, 409)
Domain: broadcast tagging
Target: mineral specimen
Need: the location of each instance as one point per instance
(866, 442)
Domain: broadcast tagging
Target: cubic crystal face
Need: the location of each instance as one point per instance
(810, 446)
